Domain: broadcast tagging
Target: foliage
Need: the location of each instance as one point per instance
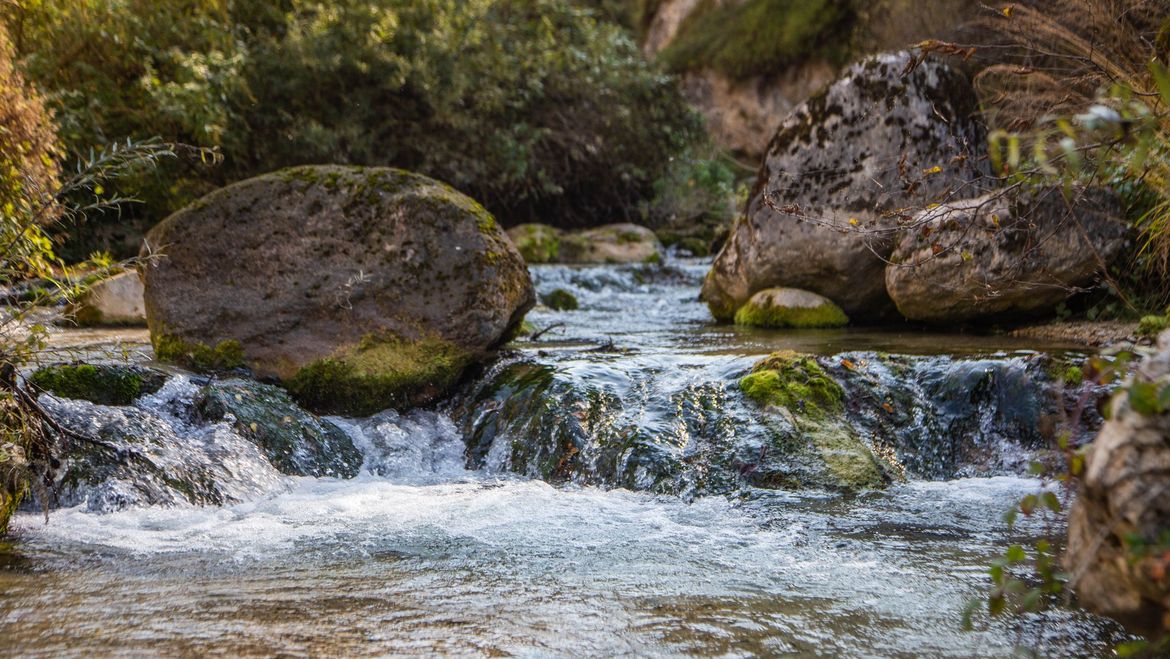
(1078, 90)
(137, 69)
(535, 107)
(560, 300)
(694, 200)
(760, 37)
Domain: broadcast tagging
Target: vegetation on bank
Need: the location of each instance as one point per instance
(535, 107)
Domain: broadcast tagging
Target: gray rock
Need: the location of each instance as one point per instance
(1123, 505)
(612, 243)
(359, 288)
(1002, 254)
(114, 301)
(840, 172)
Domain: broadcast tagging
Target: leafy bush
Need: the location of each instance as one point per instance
(535, 107)
(532, 106)
(760, 37)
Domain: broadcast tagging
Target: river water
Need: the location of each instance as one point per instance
(428, 554)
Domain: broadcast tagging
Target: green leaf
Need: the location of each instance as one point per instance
(1016, 554)
(1161, 79)
(1143, 398)
(1051, 502)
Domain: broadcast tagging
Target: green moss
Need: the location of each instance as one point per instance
(224, 356)
(1073, 375)
(1151, 326)
(794, 381)
(825, 315)
(537, 243)
(653, 259)
(380, 373)
(761, 37)
(560, 300)
(104, 384)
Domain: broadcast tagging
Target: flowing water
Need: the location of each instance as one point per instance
(655, 533)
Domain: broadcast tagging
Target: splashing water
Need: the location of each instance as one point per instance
(448, 546)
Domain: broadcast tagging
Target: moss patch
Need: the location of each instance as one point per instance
(823, 316)
(795, 381)
(103, 384)
(537, 243)
(378, 374)
(850, 461)
(761, 37)
(560, 300)
(197, 356)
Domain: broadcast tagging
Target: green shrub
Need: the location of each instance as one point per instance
(534, 107)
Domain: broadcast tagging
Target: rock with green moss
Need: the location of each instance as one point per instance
(612, 243)
(823, 444)
(380, 282)
(294, 441)
(537, 243)
(560, 300)
(828, 198)
(790, 308)
(104, 384)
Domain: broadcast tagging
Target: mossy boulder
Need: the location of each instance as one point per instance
(612, 243)
(103, 384)
(294, 441)
(537, 243)
(790, 308)
(799, 389)
(893, 133)
(383, 282)
(560, 300)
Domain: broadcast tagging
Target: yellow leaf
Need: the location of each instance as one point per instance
(933, 170)
(967, 256)
(99, 190)
(1007, 11)
(853, 221)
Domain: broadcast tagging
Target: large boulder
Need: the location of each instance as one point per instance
(840, 175)
(1002, 254)
(359, 288)
(1119, 526)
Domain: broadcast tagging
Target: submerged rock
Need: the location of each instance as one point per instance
(838, 175)
(826, 448)
(612, 243)
(790, 308)
(116, 301)
(1003, 254)
(155, 452)
(560, 300)
(1119, 525)
(294, 441)
(104, 384)
(359, 288)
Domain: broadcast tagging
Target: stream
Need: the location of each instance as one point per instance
(605, 490)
